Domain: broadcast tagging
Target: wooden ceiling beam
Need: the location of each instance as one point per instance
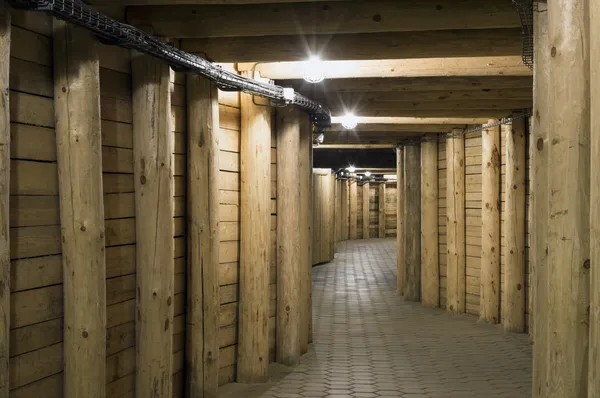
(354, 146)
(395, 128)
(195, 2)
(459, 120)
(379, 110)
(365, 46)
(191, 21)
(406, 68)
(371, 108)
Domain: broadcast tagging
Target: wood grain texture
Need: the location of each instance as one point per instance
(400, 199)
(490, 225)
(430, 274)
(203, 304)
(365, 210)
(5, 40)
(353, 212)
(412, 222)
(323, 212)
(345, 212)
(79, 156)
(153, 148)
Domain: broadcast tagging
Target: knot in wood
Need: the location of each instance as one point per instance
(587, 264)
(85, 334)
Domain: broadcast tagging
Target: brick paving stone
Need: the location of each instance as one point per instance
(370, 343)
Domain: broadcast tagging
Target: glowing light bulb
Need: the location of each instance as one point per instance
(314, 70)
(351, 169)
(349, 121)
(321, 138)
(368, 174)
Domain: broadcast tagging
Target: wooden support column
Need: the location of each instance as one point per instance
(412, 222)
(353, 210)
(306, 227)
(381, 210)
(489, 304)
(569, 194)
(514, 230)
(79, 158)
(430, 271)
(594, 364)
(5, 39)
(203, 304)
(153, 152)
(288, 236)
(345, 207)
(365, 210)
(255, 242)
(400, 238)
(538, 224)
(455, 209)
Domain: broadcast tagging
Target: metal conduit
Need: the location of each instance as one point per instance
(116, 33)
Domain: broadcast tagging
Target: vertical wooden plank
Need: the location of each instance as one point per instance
(255, 159)
(203, 304)
(455, 197)
(594, 363)
(569, 193)
(5, 38)
(306, 211)
(153, 170)
(412, 222)
(345, 208)
(489, 303)
(514, 229)
(430, 272)
(338, 211)
(79, 157)
(400, 200)
(382, 210)
(288, 236)
(353, 214)
(365, 210)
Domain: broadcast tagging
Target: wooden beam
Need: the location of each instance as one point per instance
(153, 152)
(353, 210)
(194, 2)
(375, 170)
(389, 110)
(400, 232)
(399, 108)
(362, 46)
(569, 192)
(345, 209)
(255, 242)
(381, 223)
(427, 67)
(489, 305)
(538, 227)
(5, 313)
(315, 18)
(455, 209)
(338, 210)
(203, 303)
(514, 229)
(430, 274)
(288, 236)
(306, 227)
(390, 129)
(368, 120)
(412, 222)
(79, 158)
(365, 210)
(354, 146)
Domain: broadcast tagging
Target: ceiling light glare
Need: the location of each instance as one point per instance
(368, 174)
(288, 94)
(321, 138)
(349, 121)
(351, 169)
(314, 70)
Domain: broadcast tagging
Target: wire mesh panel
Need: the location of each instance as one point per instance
(525, 10)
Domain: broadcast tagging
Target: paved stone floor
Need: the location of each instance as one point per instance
(370, 343)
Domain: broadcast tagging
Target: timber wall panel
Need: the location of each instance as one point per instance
(359, 212)
(473, 154)
(36, 335)
(390, 210)
(374, 210)
(443, 248)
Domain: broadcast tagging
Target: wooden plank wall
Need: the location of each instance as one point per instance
(442, 239)
(390, 210)
(359, 212)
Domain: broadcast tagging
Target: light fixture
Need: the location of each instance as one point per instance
(368, 174)
(314, 70)
(288, 94)
(349, 121)
(351, 169)
(321, 138)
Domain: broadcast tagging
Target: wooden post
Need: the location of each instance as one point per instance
(538, 231)
(382, 210)
(153, 152)
(412, 222)
(306, 211)
(345, 207)
(338, 211)
(203, 304)
(79, 158)
(5, 39)
(365, 210)
(353, 209)
(569, 193)
(489, 303)
(255, 243)
(288, 236)
(455, 197)
(400, 238)
(430, 272)
(514, 229)
(594, 364)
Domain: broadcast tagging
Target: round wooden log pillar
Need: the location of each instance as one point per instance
(306, 210)
(400, 200)
(430, 274)
(412, 222)
(365, 210)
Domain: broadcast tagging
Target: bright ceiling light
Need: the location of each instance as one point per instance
(368, 174)
(314, 70)
(349, 121)
(351, 169)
